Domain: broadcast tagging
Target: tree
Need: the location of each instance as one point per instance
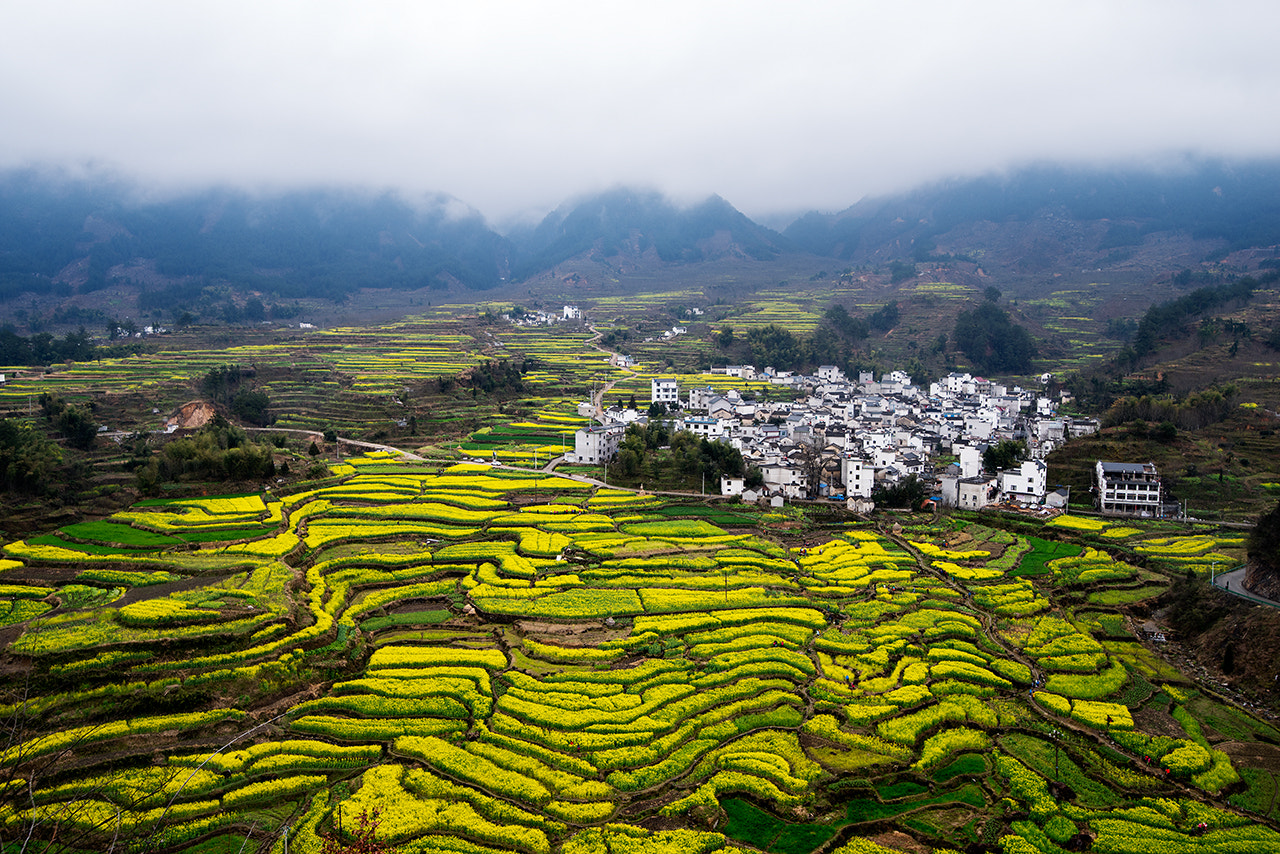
(724, 338)
(364, 838)
(1005, 454)
(886, 317)
(900, 271)
(221, 383)
(27, 459)
(314, 450)
(774, 345)
(71, 421)
(992, 342)
(1164, 432)
(909, 492)
(809, 458)
(78, 427)
(1264, 540)
(251, 405)
(991, 294)
(846, 325)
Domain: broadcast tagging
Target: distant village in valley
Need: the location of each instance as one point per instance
(841, 437)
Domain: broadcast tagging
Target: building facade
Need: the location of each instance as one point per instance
(665, 390)
(1127, 489)
(597, 444)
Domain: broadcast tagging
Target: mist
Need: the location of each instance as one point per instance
(512, 108)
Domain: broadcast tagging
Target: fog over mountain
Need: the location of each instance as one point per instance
(513, 107)
(62, 237)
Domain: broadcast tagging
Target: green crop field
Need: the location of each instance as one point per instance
(491, 660)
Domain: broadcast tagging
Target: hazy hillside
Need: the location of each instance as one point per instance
(640, 226)
(1051, 220)
(79, 237)
(86, 251)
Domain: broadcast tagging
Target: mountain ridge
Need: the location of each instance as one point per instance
(70, 238)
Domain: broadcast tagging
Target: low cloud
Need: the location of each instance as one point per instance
(512, 106)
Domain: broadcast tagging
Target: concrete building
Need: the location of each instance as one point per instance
(1028, 483)
(974, 493)
(1127, 489)
(597, 444)
(665, 390)
(858, 477)
(704, 426)
(732, 485)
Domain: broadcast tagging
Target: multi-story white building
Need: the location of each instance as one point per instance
(597, 444)
(784, 478)
(665, 390)
(974, 493)
(858, 477)
(1127, 489)
(704, 426)
(700, 398)
(732, 485)
(1028, 483)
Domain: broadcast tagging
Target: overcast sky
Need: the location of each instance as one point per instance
(515, 106)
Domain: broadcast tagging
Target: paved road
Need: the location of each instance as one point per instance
(598, 400)
(1233, 582)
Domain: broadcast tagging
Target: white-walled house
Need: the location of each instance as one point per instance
(732, 485)
(974, 493)
(1028, 483)
(705, 426)
(784, 478)
(700, 398)
(1128, 489)
(858, 477)
(970, 460)
(665, 390)
(597, 444)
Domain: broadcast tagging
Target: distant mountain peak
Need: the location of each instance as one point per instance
(623, 220)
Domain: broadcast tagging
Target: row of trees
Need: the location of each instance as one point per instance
(28, 460)
(225, 385)
(836, 341)
(1170, 317)
(44, 349)
(1196, 410)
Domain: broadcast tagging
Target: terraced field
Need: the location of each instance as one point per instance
(495, 661)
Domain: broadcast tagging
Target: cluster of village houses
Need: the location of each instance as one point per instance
(839, 437)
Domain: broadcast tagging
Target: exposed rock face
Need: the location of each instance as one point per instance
(1262, 580)
(190, 416)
